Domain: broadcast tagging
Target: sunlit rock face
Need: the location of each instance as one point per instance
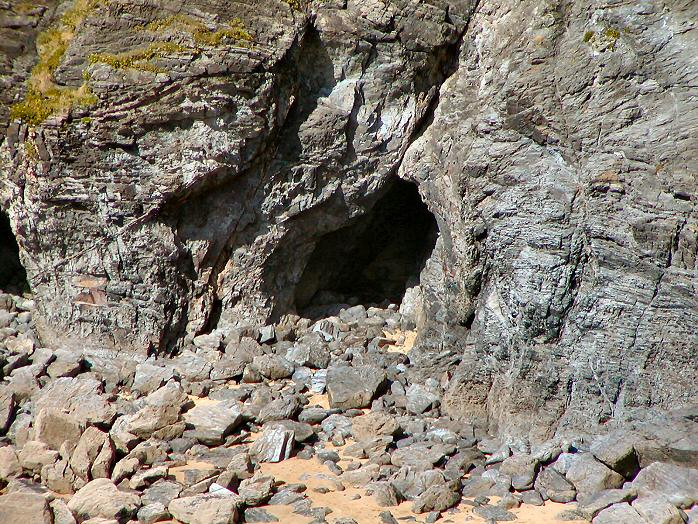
(213, 157)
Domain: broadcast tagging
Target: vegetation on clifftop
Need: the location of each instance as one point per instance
(44, 97)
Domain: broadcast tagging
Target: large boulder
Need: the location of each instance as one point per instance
(101, 498)
(25, 508)
(353, 387)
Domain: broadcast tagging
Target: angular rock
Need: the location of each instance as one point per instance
(588, 475)
(353, 387)
(80, 397)
(94, 455)
(554, 486)
(25, 508)
(273, 367)
(101, 498)
(275, 445)
(677, 484)
(373, 424)
(420, 399)
(7, 409)
(256, 490)
(657, 510)
(591, 505)
(35, 455)
(61, 513)
(205, 509)
(53, 427)
(494, 514)
(211, 423)
(150, 377)
(621, 513)
(286, 407)
(617, 451)
(438, 497)
(152, 513)
(522, 469)
(259, 515)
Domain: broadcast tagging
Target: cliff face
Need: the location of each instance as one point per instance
(202, 154)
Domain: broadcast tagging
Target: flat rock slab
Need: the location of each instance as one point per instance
(211, 423)
(353, 387)
(619, 514)
(205, 509)
(677, 484)
(24, 508)
(101, 498)
(275, 445)
(494, 513)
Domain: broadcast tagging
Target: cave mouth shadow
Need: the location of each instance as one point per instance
(13, 277)
(372, 260)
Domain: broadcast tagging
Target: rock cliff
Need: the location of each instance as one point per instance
(523, 171)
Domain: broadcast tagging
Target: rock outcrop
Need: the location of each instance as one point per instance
(179, 170)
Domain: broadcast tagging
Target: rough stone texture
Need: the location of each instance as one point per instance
(212, 423)
(205, 509)
(553, 142)
(675, 483)
(619, 514)
(353, 387)
(25, 508)
(274, 445)
(101, 498)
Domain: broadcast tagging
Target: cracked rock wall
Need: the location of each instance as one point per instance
(554, 141)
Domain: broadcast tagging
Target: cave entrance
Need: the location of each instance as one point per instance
(374, 259)
(13, 278)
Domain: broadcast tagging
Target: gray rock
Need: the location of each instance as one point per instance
(53, 427)
(677, 484)
(211, 423)
(420, 399)
(522, 469)
(418, 456)
(61, 513)
(258, 515)
(494, 513)
(7, 408)
(591, 505)
(9, 464)
(256, 490)
(274, 445)
(152, 513)
(313, 355)
(150, 377)
(80, 397)
(617, 452)
(273, 366)
(286, 407)
(384, 494)
(353, 387)
(657, 510)
(554, 486)
(161, 492)
(619, 514)
(439, 497)
(588, 475)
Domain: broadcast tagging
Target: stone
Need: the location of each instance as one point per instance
(53, 427)
(101, 498)
(273, 367)
(61, 512)
(677, 484)
(286, 407)
(418, 456)
(9, 464)
(384, 494)
(161, 492)
(211, 423)
(313, 355)
(7, 409)
(591, 505)
(438, 497)
(35, 455)
(150, 377)
(657, 510)
(258, 515)
(26, 508)
(205, 509)
(256, 490)
(373, 424)
(66, 364)
(617, 451)
(93, 456)
(275, 445)
(554, 486)
(494, 514)
(588, 475)
(420, 399)
(152, 513)
(80, 397)
(621, 513)
(145, 477)
(522, 469)
(353, 387)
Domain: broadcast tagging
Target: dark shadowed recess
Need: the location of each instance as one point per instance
(373, 259)
(13, 278)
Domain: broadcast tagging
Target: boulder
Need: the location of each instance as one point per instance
(205, 509)
(275, 445)
(374, 424)
(554, 486)
(621, 513)
(53, 427)
(80, 397)
(211, 423)
(25, 508)
(101, 498)
(677, 484)
(657, 510)
(94, 455)
(589, 475)
(353, 387)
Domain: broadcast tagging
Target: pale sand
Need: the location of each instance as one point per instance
(366, 511)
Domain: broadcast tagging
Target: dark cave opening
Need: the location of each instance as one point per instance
(375, 258)
(13, 277)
